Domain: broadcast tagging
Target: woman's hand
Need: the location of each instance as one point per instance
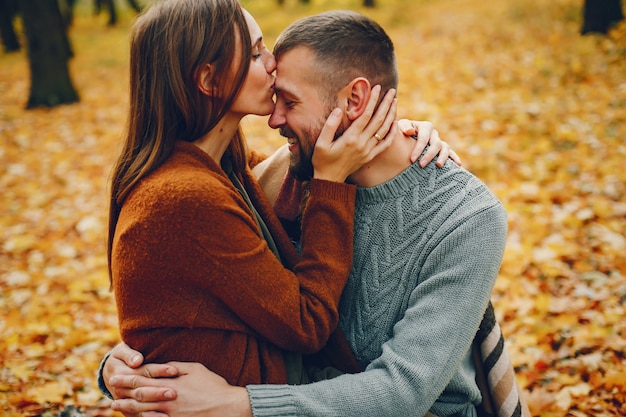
(196, 391)
(425, 134)
(367, 136)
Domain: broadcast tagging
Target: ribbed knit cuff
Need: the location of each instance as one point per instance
(101, 384)
(331, 189)
(271, 401)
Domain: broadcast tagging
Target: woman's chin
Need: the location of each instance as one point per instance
(266, 111)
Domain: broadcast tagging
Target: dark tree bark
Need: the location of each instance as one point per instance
(110, 5)
(48, 54)
(600, 15)
(67, 11)
(369, 3)
(99, 4)
(135, 5)
(8, 10)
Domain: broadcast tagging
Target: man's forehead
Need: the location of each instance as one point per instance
(284, 87)
(292, 70)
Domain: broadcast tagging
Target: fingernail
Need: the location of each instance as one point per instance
(135, 359)
(169, 395)
(336, 112)
(113, 380)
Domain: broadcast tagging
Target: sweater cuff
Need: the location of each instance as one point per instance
(101, 385)
(271, 401)
(334, 190)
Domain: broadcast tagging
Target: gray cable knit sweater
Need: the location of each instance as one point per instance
(428, 248)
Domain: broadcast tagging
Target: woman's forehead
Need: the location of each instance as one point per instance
(253, 26)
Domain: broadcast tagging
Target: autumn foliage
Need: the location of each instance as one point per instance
(535, 110)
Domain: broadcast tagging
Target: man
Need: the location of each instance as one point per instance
(427, 249)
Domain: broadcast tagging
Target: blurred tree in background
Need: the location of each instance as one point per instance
(49, 51)
(110, 6)
(601, 15)
(8, 11)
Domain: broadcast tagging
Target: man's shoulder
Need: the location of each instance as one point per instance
(271, 172)
(279, 160)
(462, 185)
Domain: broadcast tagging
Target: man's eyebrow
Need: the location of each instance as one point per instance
(282, 92)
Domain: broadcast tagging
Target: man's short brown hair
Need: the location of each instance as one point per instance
(346, 45)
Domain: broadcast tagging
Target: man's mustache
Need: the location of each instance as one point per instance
(286, 132)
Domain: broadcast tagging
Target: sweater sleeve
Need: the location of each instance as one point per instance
(428, 344)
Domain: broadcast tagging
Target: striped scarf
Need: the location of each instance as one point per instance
(494, 372)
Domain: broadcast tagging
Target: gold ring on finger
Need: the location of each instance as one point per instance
(377, 137)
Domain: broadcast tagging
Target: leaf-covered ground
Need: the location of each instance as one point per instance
(535, 110)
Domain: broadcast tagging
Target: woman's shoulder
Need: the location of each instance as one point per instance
(182, 181)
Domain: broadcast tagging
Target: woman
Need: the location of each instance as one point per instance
(199, 264)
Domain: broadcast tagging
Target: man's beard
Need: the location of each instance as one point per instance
(301, 164)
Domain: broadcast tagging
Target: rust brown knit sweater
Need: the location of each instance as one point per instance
(195, 281)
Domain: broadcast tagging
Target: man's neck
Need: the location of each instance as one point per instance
(386, 165)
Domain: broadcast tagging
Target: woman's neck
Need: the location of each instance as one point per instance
(216, 141)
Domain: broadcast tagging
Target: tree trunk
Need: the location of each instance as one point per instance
(112, 12)
(48, 54)
(600, 15)
(369, 3)
(8, 10)
(67, 12)
(135, 5)
(99, 4)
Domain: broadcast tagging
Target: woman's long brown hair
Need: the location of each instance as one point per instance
(170, 42)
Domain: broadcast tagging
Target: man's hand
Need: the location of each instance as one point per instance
(427, 135)
(197, 391)
(126, 361)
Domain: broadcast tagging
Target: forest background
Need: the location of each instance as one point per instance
(536, 110)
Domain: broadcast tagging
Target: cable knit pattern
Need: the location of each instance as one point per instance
(397, 226)
(427, 249)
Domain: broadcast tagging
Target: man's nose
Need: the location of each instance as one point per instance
(277, 118)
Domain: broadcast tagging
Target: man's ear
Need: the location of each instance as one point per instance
(204, 80)
(357, 94)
